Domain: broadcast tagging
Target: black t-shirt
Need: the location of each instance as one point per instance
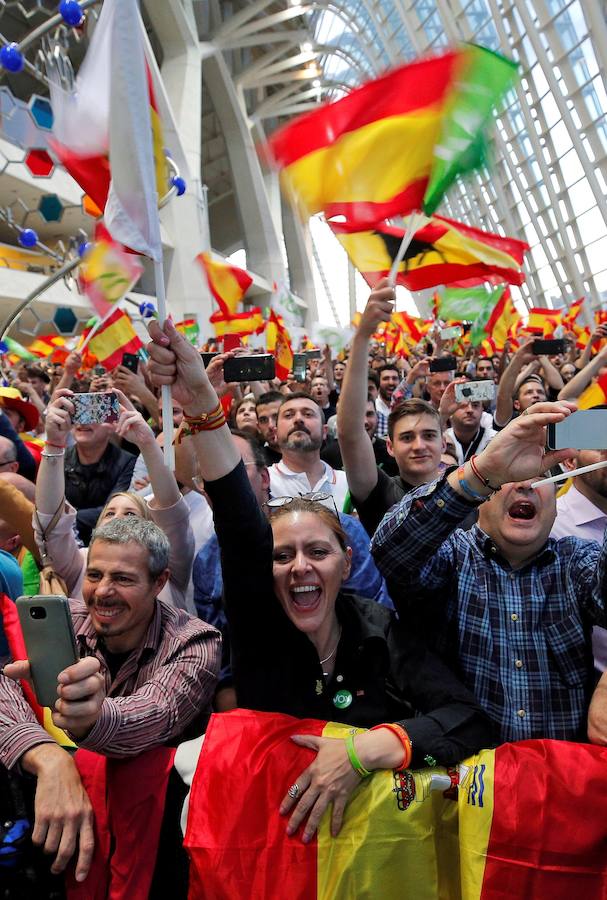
(331, 454)
(272, 456)
(387, 492)
(329, 411)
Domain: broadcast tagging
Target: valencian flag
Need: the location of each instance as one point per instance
(442, 251)
(115, 337)
(227, 283)
(240, 324)
(370, 155)
(108, 272)
(503, 321)
(410, 834)
(278, 342)
(102, 128)
(542, 321)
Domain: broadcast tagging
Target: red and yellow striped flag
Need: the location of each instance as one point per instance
(227, 283)
(408, 834)
(442, 252)
(594, 395)
(115, 337)
(570, 315)
(370, 155)
(543, 321)
(243, 323)
(45, 344)
(278, 342)
(502, 321)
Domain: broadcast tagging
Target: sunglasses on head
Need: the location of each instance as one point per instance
(325, 499)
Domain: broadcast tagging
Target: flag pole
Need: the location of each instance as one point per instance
(404, 246)
(167, 401)
(565, 475)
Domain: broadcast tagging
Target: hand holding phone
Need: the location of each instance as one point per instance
(50, 642)
(130, 361)
(300, 367)
(260, 367)
(549, 348)
(95, 408)
(585, 429)
(443, 364)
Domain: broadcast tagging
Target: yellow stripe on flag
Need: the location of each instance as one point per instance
(400, 840)
(475, 801)
(112, 338)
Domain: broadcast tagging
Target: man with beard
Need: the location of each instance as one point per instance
(582, 512)
(389, 378)
(467, 432)
(267, 408)
(506, 605)
(300, 431)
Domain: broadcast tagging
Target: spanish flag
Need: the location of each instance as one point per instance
(108, 272)
(442, 252)
(227, 283)
(497, 826)
(45, 344)
(502, 321)
(543, 321)
(243, 323)
(370, 155)
(594, 395)
(115, 337)
(278, 342)
(570, 315)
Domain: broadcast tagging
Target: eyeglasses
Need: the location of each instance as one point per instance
(325, 499)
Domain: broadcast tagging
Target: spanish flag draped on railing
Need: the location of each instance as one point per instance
(442, 251)
(528, 821)
(395, 144)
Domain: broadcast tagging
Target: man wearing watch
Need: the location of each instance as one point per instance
(508, 607)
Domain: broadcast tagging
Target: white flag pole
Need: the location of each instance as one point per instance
(167, 400)
(412, 225)
(565, 475)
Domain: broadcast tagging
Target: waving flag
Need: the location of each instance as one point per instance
(278, 342)
(190, 329)
(500, 834)
(543, 321)
(102, 129)
(502, 321)
(370, 155)
(108, 272)
(45, 344)
(442, 251)
(115, 337)
(569, 317)
(470, 305)
(248, 322)
(227, 283)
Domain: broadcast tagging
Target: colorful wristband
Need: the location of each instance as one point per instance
(353, 757)
(466, 487)
(405, 740)
(480, 477)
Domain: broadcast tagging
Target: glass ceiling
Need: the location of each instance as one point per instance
(548, 179)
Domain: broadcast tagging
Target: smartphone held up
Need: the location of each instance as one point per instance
(50, 643)
(95, 408)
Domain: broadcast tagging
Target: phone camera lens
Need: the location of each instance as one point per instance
(38, 612)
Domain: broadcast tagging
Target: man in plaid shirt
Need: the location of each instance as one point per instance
(510, 608)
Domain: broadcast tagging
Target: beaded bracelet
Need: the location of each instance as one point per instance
(354, 758)
(480, 477)
(466, 487)
(405, 740)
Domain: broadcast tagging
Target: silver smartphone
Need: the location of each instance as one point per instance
(474, 390)
(50, 641)
(585, 429)
(453, 331)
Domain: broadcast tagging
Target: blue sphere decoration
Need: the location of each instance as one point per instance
(84, 247)
(11, 58)
(147, 310)
(179, 183)
(28, 238)
(71, 12)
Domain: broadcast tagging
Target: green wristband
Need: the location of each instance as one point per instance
(354, 760)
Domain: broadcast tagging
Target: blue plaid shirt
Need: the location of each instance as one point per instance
(519, 639)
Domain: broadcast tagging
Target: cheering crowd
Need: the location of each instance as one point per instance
(361, 545)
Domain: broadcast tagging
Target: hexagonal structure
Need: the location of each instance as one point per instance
(50, 208)
(65, 320)
(42, 112)
(39, 163)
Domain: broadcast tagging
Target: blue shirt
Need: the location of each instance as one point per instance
(11, 584)
(520, 639)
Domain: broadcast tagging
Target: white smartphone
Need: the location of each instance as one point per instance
(585, 429)
(448, 334)
(474, 390)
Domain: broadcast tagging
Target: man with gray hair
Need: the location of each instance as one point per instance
(8, 456)
(146, 677)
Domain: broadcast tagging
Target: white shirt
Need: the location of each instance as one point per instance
(285, 483)
(381, 406)
(450, 435)
(577, 516)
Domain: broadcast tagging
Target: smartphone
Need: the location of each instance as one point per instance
(260, 367)
(549, 348)
(313, 354)
(448, 334)
(443, 364)
(99, 370)
(207, 357)
(300, 367)
(93, 409)
(130, 361)
(50, 642)
(474, 390)
(585, 429)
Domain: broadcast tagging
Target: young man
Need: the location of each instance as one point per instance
(148, 673)
(467, 433)
(267, 408)
(510, 608)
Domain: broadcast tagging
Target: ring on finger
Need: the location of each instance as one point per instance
(294, 791)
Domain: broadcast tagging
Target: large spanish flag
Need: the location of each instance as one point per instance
(442, 252)
(115, 337)
(278, 342)
(528, 821)
(248, 322)
(502, 321)
(227, 283)
(369, 155)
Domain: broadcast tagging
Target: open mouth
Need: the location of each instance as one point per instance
(107, 613)
(306, 597)
(522, 510)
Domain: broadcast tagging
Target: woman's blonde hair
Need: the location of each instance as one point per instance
(137, 499)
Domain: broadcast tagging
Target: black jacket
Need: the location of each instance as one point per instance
(388, 673)
(88, 488)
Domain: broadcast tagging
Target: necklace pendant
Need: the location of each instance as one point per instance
(319, 686)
